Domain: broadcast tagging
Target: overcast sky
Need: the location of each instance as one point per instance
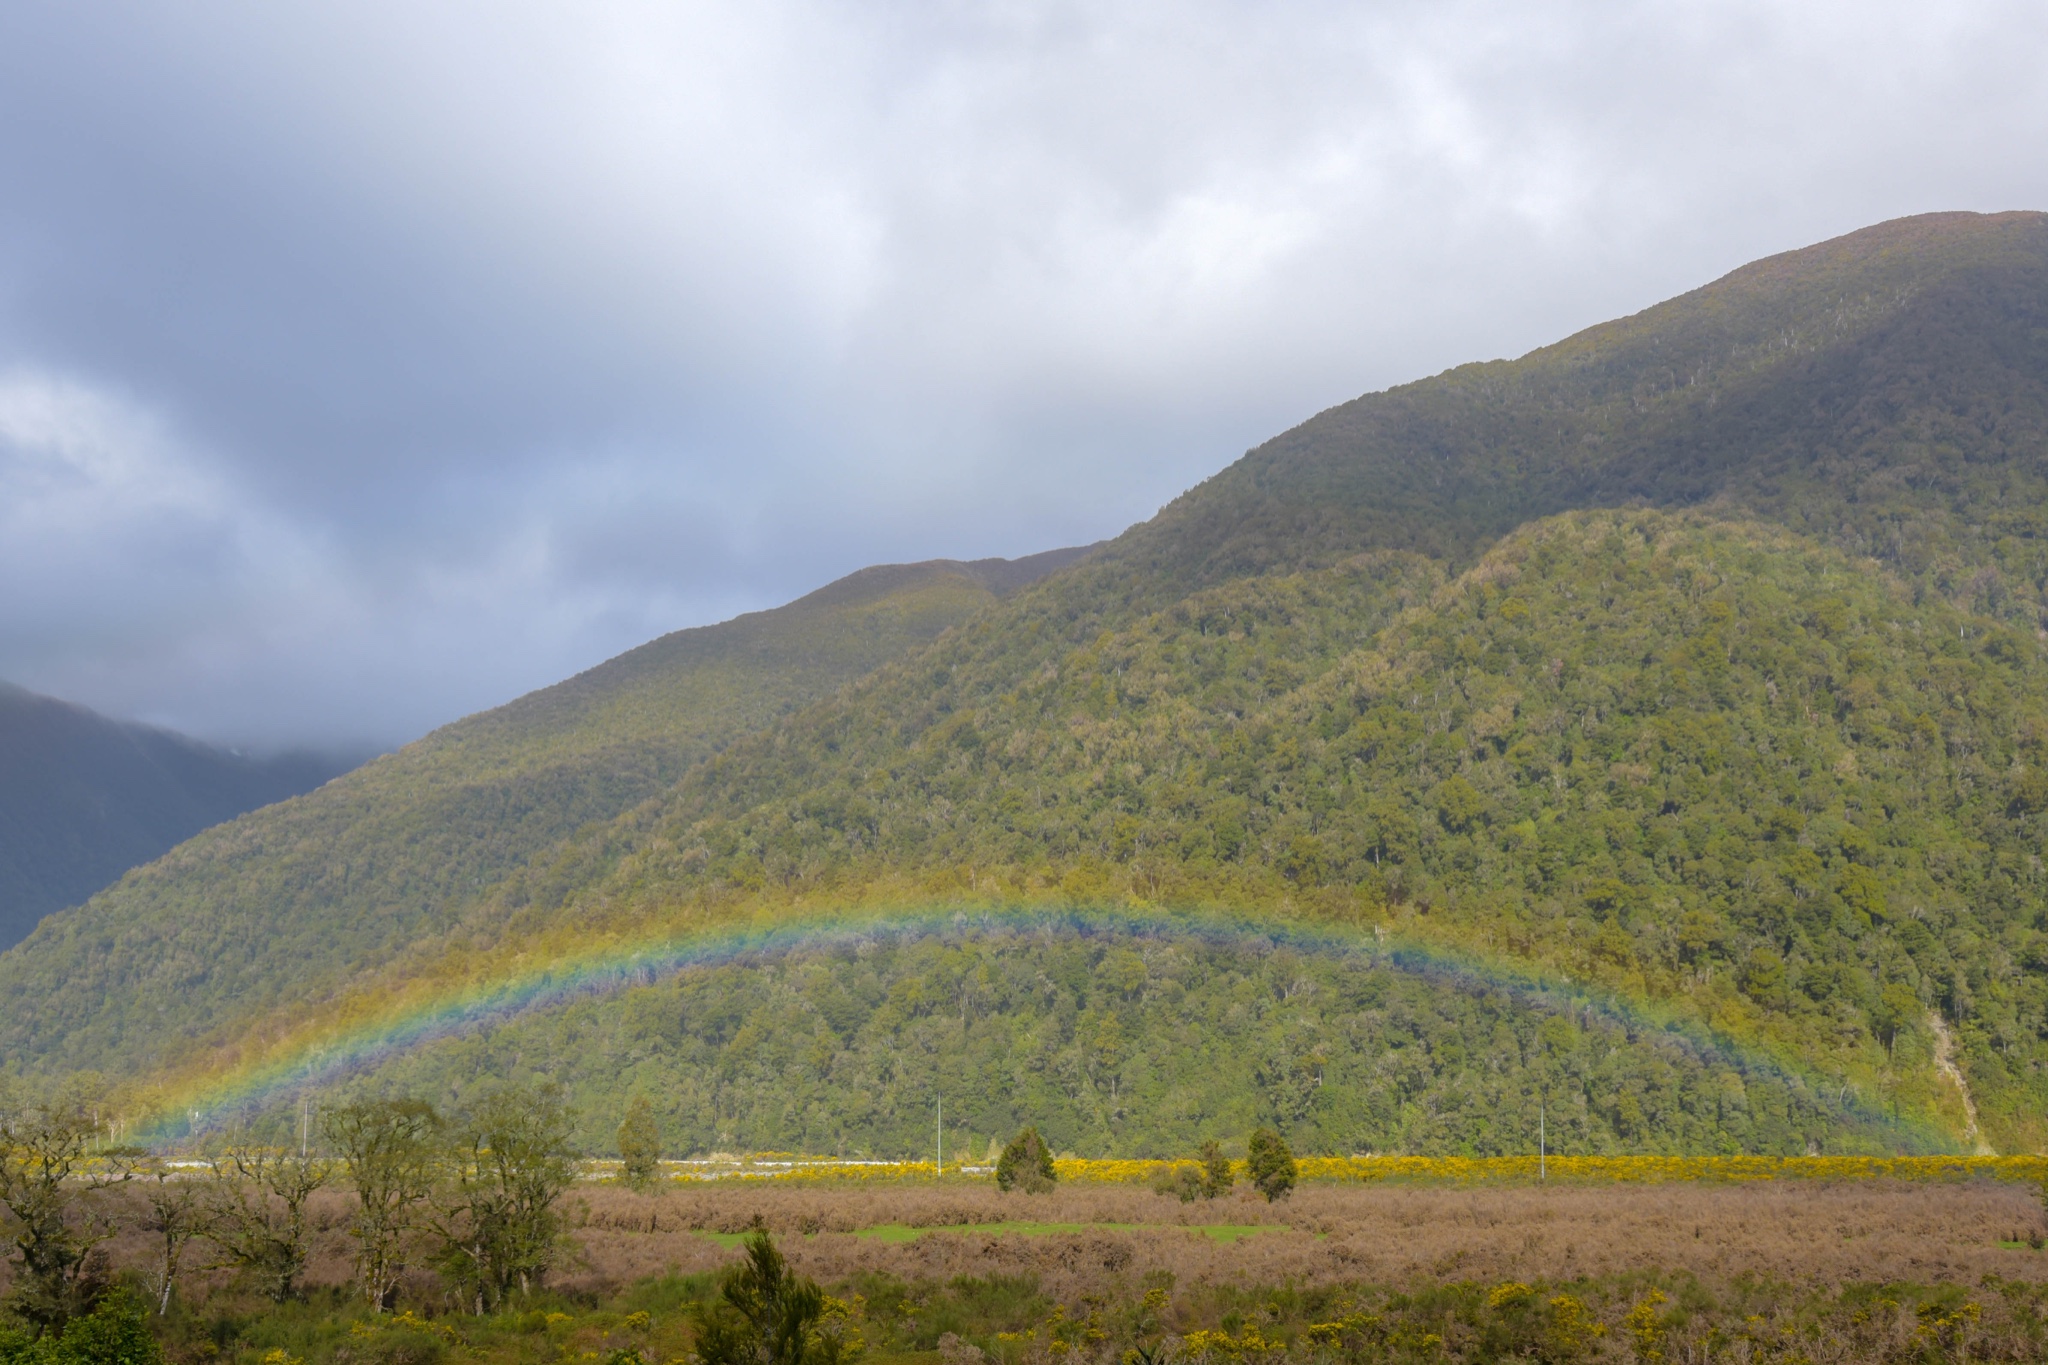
(364, 365)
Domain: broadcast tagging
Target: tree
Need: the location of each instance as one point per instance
(1026, 1164)
(512, 1159)
(389, 1147)
(51, 1169)
(174, 1215)
(255, 1213)
(765, 1315)
(1217, 1177)
(1895, 1010)
(1270, 1164)
(640, 1144)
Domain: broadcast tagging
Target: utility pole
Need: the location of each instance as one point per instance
(940, 1164)
(304, 1124)
(1542, 1146)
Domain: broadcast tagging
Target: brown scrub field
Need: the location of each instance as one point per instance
(958, 1273)
(1089, 1238)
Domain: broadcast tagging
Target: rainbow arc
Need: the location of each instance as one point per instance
(203, 1097)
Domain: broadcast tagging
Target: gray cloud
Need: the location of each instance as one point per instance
(363, 365)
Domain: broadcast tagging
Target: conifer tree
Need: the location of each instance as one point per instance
(1270, 1164)
(766, 1314)
(1026, 1164)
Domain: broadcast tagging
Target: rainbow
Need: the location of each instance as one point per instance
(199, 1101)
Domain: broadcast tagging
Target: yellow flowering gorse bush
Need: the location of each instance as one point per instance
(1426, 1169)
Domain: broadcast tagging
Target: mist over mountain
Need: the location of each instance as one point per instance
(84, 798)
(1693, 664)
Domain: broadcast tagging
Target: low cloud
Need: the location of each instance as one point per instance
(364, 365)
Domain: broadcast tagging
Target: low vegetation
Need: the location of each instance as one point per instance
(1878, 1271)
(402, 1235)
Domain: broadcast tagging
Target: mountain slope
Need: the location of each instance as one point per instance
(1703, 765)
(1380, 674)
(1126, 1044)
(1883, 391)
(348, 877)
(84, 798)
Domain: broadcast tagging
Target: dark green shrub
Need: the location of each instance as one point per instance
(1212, 1178)
(1026, 1164)
(1183, 1182)
(765, 1315)
(1270, 1164)
(1217, 1177)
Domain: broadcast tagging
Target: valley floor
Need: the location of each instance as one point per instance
(946, 1273)
(1402, 1237)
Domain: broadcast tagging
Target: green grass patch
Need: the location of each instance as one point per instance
(1225, 1233)
(724, 1239)
(1221, 1232)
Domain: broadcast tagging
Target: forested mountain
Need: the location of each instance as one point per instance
(84, 798)
(1691, 665)
(1883, 392)
(1696, 763)
(350, 877)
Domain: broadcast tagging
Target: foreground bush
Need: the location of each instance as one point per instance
(765, 1315)
(114, 1333)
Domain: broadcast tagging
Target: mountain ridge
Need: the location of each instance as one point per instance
(86, 797)
(1379, 451)
(1714, 684)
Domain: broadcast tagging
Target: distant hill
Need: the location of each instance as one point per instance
(1650, 732)
(351, 876)
(84, 798)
